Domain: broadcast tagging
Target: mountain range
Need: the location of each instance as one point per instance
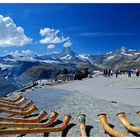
(17, 70)
(120, 59)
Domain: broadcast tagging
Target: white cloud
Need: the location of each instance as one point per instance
(48, 32)
(21, 53)
(51, 46)
(10, 34)
(64, 39)
(48, 40)
(52, 36)
(15, 53)
(27, 52)
(67, 44)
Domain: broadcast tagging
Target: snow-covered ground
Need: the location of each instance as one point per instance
(89, 96)
(122, 89)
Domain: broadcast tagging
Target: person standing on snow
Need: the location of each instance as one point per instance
(129, 73)
(117, 72)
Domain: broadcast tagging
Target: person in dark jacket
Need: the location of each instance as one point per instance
(137, 73)
(117, 72)
(129, 73)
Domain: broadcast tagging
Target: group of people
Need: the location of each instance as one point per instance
(136, 72)
(109, 72)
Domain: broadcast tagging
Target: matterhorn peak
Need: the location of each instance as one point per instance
(122, 50)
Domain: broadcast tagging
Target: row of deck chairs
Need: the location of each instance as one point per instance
(23, 125)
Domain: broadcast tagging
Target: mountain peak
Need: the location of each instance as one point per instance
(68, 51)
(9, 56)
(122, 50)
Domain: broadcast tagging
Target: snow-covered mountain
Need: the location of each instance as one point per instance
(12, 64)
(68, 55)
(119, 59)
(114, 59)
(19, 68)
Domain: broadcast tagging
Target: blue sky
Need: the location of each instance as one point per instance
(87, 28)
